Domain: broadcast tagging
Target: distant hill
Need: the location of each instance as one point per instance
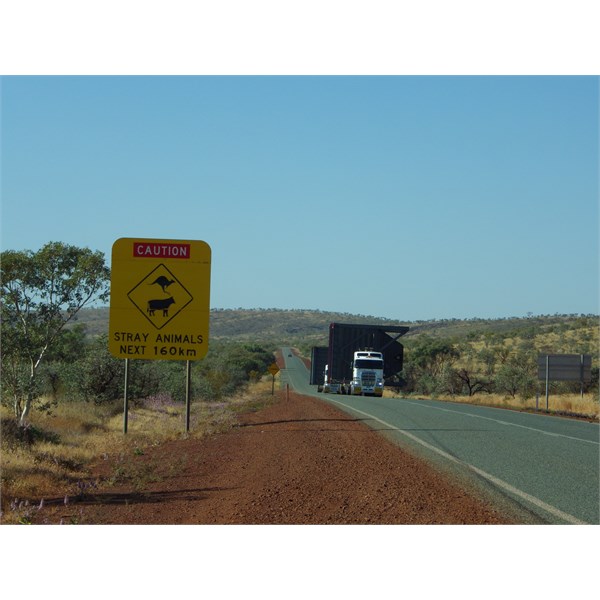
(255, 325)
(306, 328)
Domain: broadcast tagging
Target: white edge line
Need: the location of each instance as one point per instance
(458, 412)
(498, 482)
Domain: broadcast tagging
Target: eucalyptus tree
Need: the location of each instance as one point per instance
(41, 293)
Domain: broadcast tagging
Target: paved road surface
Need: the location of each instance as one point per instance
(544, 469)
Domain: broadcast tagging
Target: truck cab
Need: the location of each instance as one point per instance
(367, 374)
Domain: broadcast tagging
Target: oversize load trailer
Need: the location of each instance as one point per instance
(345, 339)
(318, 360)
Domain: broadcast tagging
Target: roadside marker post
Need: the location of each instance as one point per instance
(547, 380)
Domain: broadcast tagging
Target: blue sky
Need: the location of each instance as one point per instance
(401, 197)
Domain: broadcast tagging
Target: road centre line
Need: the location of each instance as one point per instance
(458, 412)
(498, 482)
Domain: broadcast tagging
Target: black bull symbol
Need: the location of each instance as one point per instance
(160, 305)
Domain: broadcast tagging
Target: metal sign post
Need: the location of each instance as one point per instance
(126, 398)
(188, 386)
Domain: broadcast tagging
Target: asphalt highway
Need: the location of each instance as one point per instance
(540, 468)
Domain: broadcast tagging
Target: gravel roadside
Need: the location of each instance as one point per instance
(298, 461)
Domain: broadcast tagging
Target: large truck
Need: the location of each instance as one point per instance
(366, 380)
(337, 368)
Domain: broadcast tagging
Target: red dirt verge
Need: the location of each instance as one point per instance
(298, 461)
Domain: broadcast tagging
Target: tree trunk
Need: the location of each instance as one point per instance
(17, 406)
(30, 393)
(27, 407)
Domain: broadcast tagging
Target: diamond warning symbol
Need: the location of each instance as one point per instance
(160, 296)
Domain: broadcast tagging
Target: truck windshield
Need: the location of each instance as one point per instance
(364, 363)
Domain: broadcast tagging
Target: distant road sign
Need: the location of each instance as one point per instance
(565, 367)
(159, 299)
(273, 369)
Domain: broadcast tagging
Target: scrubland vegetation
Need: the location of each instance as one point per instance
(59, 445)
(78, 416)
(61, 403)
(498, 365)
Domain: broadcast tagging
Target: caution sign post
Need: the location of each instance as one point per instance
(159, 299)
(159, 304)
(273, 369)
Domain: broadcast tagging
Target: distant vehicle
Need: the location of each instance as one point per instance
(360, 359)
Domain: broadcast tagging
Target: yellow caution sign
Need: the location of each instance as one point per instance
(273, 369)
(159, 299)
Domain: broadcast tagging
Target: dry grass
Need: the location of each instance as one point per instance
(67, 441)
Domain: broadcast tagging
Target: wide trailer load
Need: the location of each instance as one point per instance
(345, 339)
(318, 362)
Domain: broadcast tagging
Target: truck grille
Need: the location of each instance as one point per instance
(368, 378)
